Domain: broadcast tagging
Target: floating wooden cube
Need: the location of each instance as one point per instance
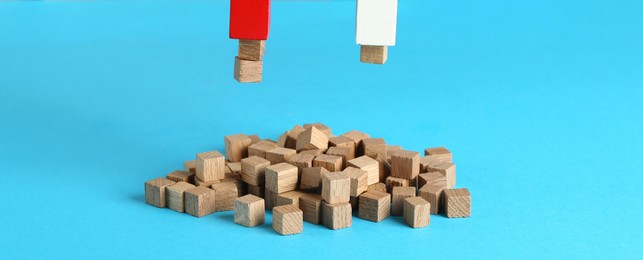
(210, 166)
(447, 169)
(439, 153)
(249, 211)
(457, 203)
(416, 212)
(325, 129)
(289, 138)
(356, 136)
(253, 170)
(312, 138)
(337, 216)
(199, 182)
(190, 166)
(251, 49)
(200, 201)
(302, 161)
(369, 165)
(343, 152)
(343, 141)
(155, 191)
(311, 178)
(287, 220)
(281, 177)
(381, 187)
(288, 198)
(398, 195)
(175, 195)
(332, 163)
(314, 152)
(405, 164)
(226, 193)
(359, 180)
(432, 178)
(248, 71)
(177, 176)
(396, 182)
(371, 147)
(279, 154)
(260, 148)
(433, 194)
(374, 206)
(336, 187)
(236, 146)
(310, 204)
(258, 191)
(425, 161)
(373, 54)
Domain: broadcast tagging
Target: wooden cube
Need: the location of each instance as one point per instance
(281, 177)
(199, 182)
(287, 220)
(325, 129)
(398, 195)
(432, 178)
(155, 191)
(405, 164)
(381, 187)
(457, 203)
(416, 212)
(359, 180)
(241, 186)
(384, 167)
(310, 204)
(174, 195)
(336, 187)
(279, 154)
(439, 153)
(200, 201)
(258, 191)
(254, 138)
(425, 161)
(445, 168)
(236, 146)
(369, 165)
(312, 138)
(433, 194)
(343, 152)
(373, 54)
(374, 206)
(289, 138)
(315, 152)
(356, 136)
(253, 170)
(302, 161)
(210, 166)
(235, 168)
(177, 176)
(249, 211)
(395, 182)
(311, 178)
(343, 141)
(260, 148)
(190, 166)
(226, 193)
(247, 71)
(371, 147)
(332, 163)
(288, 198)
(337, 216)
(391, 149)
(251, 49)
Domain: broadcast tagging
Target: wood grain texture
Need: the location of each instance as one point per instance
(302, 161)
(416, 212)
(373, 54)
(398, 195)
(281, 177)
(260, 148)
(381, 187)
(155, 191)
(369, 165)
(236, 146)
(356, 136)
(384, 167)
(359, 180)
(177, 176)
(374, 206)
(246, 71)
(251, 49)
(337, 216)
(432, 178)
(343, 152)
(371, 147)
(322, 127)
(288, 198)
(392, 182)
(343, 141)
(312, 138)
(457, 203)
(439, 153)
(310, 204)
(433, 194)
(311, 178)
(405, 164)
(190, 166)
(447, 169)
(249, 211)
(390, 149)
(200, 201)
(287, 220)
(174, 195)
(253, 170)
(199, 182)
(279, 154)
(289, 138)
(241, 186)
(226, 193)
(336, 187)
(210, 166)
(332, 163)
(425, 161)
(315, 152)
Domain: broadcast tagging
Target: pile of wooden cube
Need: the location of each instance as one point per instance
(311, 175)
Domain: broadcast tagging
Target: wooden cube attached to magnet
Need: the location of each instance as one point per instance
(447, 169)
(177, 176)
(279, 154)
(175, 195)
(200, 201)
(287, 220)
(337, 216)
(336, 187)
(236, 146)
(373, 54)
(439, 153)
(343, 152)
(210, 166)
(226, 193)
(251, 49)
(281, 177)
(312, 138)
(405, 164)
(311, 178)
(371, 147)
(253, 170)
(310, 204)
(155, 192)
(374, 206)
(332, 163)
(260, 148)
(433, 194)
(248, 71)
(398, 195)
(249, 211)
(369, 165)
(416, 212)
(359, 180)
(457, 203)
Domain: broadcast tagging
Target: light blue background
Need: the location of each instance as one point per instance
(540, 102)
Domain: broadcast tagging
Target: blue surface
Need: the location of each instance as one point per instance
(540, 102)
